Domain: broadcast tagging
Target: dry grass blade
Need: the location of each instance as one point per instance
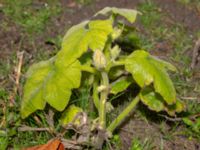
(196, 54)
(17, 75)
(27, 128)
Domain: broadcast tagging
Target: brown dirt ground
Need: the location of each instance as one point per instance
(12, 40)
(157, 135)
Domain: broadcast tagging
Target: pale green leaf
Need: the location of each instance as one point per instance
(98, 33)
(153, 100)
(69, 115)
(48, 83)
(145, 70)
(58, 88)
(166, 64)
(129, 14)
(79, 38)
(73, 45)
(120, 85)
(33, 94)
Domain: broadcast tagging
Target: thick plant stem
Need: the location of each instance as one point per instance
(123, 115)
(103, 98)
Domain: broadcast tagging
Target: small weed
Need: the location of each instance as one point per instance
(56, 42)
(181, 42)
(29, 138)
(5, 68)
(114, 143)
(138, 145)
(3, 142)
(150, 18)
(150, 14)
(193, 127)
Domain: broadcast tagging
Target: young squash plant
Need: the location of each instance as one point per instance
(91, 50)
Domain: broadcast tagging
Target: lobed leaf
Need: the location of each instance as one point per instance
(129, 14)
(120, 85)
(79, 38)
(145, 70)
(57, 89)
(48, 84)
(33, 89)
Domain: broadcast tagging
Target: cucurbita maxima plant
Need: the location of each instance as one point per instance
(90, 47)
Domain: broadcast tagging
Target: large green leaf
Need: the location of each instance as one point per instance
(79, 38)
(33, 89)
(46, 83)
(120, 85)
(129, 14)
(57, 90)
(145, 69)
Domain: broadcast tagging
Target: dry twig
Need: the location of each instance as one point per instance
(27, 128)
(17, 74)
(20, 56)
(196, 54)
(170, 118)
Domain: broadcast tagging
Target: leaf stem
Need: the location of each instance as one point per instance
(95, 95)
(103, 98)
(87, 68)
(119, 63)
(123, 115)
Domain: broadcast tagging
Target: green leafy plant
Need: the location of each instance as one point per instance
(91, 51)
(194, 125)
(138, 145)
